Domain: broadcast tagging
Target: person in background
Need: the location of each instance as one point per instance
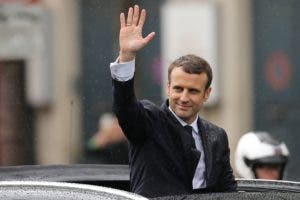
(172, 150)
(109, 141)
(260, 156)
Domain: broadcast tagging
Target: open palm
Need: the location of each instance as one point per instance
(131, 38)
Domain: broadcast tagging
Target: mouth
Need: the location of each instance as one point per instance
(183, 107)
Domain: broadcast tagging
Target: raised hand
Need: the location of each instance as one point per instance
(131, 38)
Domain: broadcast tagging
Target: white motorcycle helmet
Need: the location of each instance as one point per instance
(259, 148)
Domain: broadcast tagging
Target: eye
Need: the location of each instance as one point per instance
(177, 89)
(194, 91)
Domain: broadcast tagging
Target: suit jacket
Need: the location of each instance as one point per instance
(162, 155)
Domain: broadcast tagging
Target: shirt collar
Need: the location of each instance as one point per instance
(194, 124)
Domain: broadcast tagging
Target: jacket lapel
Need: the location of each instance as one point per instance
(207, 151)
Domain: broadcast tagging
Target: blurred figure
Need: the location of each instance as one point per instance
(259, 155)
(109, 141)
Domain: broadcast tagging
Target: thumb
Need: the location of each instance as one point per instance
(148, 38)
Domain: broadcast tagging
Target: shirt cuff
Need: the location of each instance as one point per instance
(122, 71)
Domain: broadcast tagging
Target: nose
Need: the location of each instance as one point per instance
(270, 173)
(184, 96)
(273, 174)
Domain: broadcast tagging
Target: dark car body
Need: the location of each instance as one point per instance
(28, 190)
(117, 177)
(114, 176)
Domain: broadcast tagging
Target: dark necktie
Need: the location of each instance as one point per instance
(195, 154)
(189, 129)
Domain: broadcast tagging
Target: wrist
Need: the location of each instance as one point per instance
(126, 56)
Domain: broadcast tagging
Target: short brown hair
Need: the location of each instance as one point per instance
(192, 64)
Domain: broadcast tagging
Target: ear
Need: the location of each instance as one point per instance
(207, 94)
(168, 89)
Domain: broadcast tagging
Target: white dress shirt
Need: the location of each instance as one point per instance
(125, 72)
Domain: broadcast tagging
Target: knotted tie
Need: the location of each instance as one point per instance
(189, 129)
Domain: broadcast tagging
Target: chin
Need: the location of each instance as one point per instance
(179, 113)
(183, 113)
(182, 116)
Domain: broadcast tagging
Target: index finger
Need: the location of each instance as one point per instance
(122, 20)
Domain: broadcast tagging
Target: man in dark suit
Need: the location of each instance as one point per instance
(172, 150)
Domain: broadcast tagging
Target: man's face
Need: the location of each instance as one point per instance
(187, 93)
(268, 172)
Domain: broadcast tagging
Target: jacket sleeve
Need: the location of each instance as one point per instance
(227, 181)
(133, 116)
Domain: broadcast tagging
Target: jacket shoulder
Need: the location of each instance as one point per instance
(211, 127)
(150, 106)
(213, 131)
